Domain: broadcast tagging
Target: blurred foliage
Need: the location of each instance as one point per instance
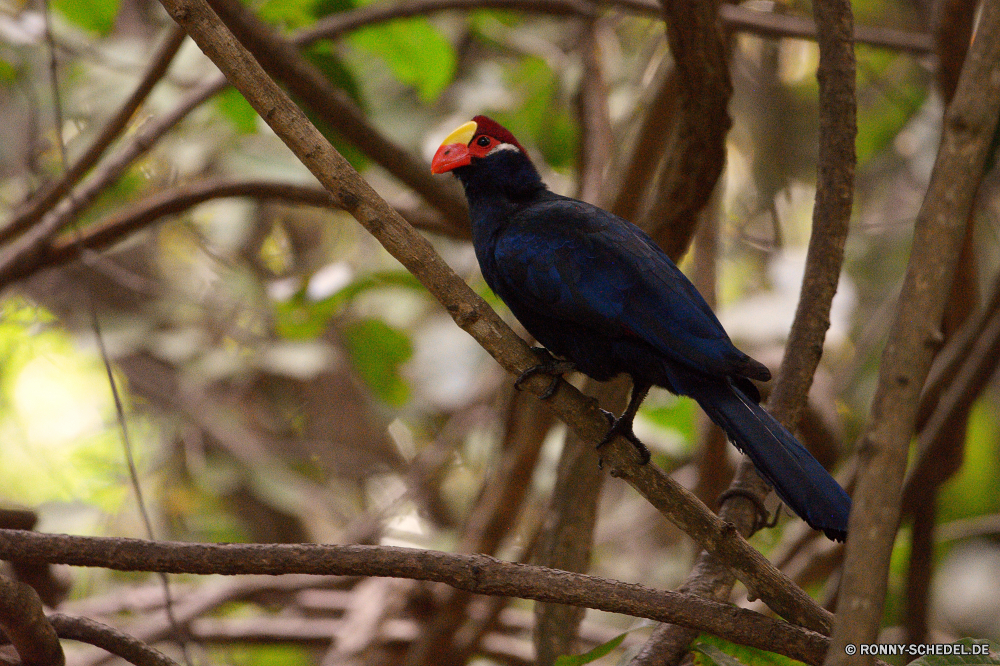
(593, 655)
(97, 16)
(415, 51)
(282, 371)
(55, 409)
(378, 351)
(263, 655)
(972, 491)
(711, 650)
(960, 660)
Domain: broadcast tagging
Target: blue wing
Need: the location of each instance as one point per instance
(577, 263)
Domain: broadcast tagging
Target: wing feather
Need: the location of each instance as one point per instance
(576, 262)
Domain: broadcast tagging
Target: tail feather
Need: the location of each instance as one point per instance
(797, 477)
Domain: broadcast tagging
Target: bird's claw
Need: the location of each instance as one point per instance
(620, 427)
(549, 366)
(763, 519)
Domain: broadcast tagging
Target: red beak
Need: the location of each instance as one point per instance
(450, 156)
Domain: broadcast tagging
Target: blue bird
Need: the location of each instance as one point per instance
(604, 299)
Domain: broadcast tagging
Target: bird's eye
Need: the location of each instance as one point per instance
(483, 141)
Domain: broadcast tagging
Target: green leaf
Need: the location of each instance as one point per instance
(714, 651)
(679, 415)
(299, 318)
(378, 350)
(93, 15)
(324, 56)
(968, 645)
(882, 117)
(8, 73)
(541, 113)
(289, 14)
(234, 108)
(593, 655)
(716, 656)
(416, 52)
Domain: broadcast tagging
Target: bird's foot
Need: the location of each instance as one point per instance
(763, 519)
(551, 366)
(624, 429)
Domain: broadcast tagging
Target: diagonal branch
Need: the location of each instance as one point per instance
(282, 60)
(26, 249)
(474, 316)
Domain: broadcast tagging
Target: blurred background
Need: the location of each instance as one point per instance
(285, 380)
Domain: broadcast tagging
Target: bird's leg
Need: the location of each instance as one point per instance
(551, 366)
(763, 518)
(623, 424)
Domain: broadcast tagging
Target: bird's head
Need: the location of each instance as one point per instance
(475, 140)
(489, 162)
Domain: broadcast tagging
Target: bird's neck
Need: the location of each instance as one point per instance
(498, 187)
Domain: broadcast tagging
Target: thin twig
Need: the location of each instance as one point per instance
(148, 211)
(43, 201)
(25, 250)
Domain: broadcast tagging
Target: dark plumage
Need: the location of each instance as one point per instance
(596, 290)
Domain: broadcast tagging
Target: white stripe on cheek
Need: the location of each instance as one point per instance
(504, 146)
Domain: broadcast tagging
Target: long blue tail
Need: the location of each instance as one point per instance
(797, 477)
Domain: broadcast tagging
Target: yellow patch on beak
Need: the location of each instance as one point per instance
(462, 135)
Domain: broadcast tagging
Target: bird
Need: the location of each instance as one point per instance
(604, 299)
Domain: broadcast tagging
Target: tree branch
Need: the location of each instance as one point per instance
(25, 624)
(109, 639)
(825, 256)
(831, 211)
(970, 124)
(32, 211)
(474, 316)
(475, 573)
(281, 59)
(697, 144)
(25, 250)
(735, 17)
